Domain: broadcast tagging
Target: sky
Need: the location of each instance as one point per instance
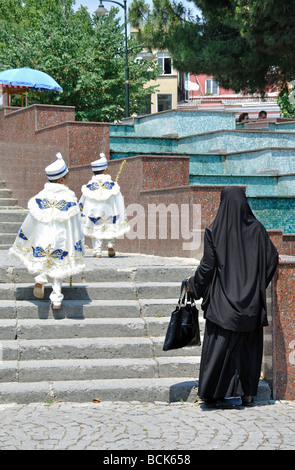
(93, 4)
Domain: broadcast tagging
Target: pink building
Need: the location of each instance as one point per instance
(203, 91)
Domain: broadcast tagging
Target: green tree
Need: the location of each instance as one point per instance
(286, 101)
(247, 45)
(84, 54)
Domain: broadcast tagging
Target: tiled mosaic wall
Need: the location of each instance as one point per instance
(216, 141)
(261, 160)
(177, 122)
(275, 212)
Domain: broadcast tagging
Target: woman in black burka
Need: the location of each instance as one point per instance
(238, 263)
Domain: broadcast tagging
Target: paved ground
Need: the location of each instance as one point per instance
(156, 427)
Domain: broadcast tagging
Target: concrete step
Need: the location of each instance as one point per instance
(7, 239)
(10, 227)
(11, 219)
(80, 309)
(143, 390)
(86, 369)
(68, 328)
(13, 214)
(7, 202)
(5, 193)
(82, 328)
(89, 348)
(97, 291)
(95, 271)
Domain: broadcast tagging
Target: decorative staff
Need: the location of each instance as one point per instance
(120, 170)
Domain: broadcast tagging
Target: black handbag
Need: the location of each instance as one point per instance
(183, 329)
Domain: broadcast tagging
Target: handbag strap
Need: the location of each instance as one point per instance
(184, 295)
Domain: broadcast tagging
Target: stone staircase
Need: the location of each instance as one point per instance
(106, 341)
(11, 217)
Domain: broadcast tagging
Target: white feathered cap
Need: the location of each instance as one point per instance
(57, 169)
(100, 164)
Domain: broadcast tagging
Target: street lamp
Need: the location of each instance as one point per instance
(101, 11)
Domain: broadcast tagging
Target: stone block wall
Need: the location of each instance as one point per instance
(162, 182)
(30, 139)
(283, 330)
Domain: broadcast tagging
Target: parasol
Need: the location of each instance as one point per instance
(29, 78)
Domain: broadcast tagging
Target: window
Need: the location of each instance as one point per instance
(146, 106)
(211, 86)
(164, 102)
(165, 63)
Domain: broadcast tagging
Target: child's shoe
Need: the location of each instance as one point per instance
(111, 251)
(56, 306)
(39, 290)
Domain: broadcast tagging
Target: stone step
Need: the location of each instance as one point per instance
(143, 390)
(86, 369)
(68, 328)
(13, 214)
(5, 193)
(89, 348)
(96, 272)
(97, 290)
(82, 328)
(76, 309)
(7, 202)
(7, 239)
(5, 247)
(9, 227)
(79, 309)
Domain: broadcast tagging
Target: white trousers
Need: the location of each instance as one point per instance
(97, 245)
(56, 296)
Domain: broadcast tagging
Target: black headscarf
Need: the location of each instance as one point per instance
(238, 264)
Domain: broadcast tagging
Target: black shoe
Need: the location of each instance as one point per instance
(210, 402)
(229, 403)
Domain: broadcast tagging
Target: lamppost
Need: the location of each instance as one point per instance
(101, 11)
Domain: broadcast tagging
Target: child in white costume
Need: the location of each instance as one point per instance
(50, 241)
(102, 209)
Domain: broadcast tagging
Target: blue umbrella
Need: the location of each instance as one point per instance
(30, 78)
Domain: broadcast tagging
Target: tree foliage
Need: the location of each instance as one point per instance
(286, 102)
(246, 45)
(84, 54)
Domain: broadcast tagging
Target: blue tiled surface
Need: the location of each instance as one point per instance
(282, 126)
(273, 160)
(235, 141)
(219, 141)
(263, 160)
(178, 122)
(275, 213)
(257, 185)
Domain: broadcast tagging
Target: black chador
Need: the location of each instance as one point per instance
(239, 262)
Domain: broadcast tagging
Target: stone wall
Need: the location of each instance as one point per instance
(31, 137)
(283, 330)
(149, 184)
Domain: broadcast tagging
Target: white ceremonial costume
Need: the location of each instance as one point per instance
(50, 242)
(102, 208)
